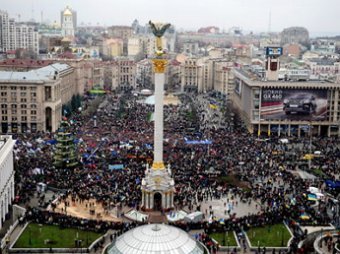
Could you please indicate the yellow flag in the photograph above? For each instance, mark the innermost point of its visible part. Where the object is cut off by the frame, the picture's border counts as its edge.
(212, 106)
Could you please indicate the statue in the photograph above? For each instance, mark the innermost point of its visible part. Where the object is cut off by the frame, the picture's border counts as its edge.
(158, 30)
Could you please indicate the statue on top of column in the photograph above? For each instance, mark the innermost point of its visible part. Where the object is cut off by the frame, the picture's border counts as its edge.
(158, 30)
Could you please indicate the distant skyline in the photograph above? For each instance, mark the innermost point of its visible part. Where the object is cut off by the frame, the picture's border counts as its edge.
(319, 17)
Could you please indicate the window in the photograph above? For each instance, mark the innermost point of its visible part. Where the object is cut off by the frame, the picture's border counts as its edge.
(23, 88)
(24, 118)
(13, 88)
(33, 112)
(23, 106)
(14, 106)
(4, 112)
(14, 119)
(3, 105)
(23, 112)
(23, 100)
(33, 118)
(33, 105)
(3, 94)
(34, 94)
(23, 94)
(4, 118)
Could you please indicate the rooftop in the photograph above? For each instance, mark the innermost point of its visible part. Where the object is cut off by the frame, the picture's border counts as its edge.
(41, 74)
(253, 79)
(155, 238)
(26, 63)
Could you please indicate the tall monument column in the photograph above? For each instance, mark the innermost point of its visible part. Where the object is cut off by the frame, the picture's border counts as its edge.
(158, 182)
(159, 68)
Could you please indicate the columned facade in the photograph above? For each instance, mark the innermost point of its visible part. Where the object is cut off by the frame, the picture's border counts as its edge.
(6, 176)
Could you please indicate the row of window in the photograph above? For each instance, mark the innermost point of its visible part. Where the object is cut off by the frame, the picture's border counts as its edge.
(22, 94)
(14, 111)
(22, 88)
(4, 106)
(15, 100)
(14, 118)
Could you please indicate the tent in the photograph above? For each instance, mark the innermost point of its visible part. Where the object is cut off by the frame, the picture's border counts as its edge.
(97, 92)
(312, 197)
(333, 184)
(194, 217)
(313, 189)
(304, 216)
(116, 167)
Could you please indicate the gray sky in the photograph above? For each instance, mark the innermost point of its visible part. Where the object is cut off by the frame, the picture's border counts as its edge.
(318, 16)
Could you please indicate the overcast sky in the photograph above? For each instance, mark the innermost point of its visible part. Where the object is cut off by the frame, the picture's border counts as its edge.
(318, 16)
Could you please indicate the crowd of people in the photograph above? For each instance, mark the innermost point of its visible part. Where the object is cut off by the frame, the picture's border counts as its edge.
(120, 133)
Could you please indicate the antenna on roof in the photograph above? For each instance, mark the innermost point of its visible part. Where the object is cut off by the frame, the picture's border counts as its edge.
(269, 21)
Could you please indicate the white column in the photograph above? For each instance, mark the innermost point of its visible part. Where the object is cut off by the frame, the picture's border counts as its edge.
(158, 123)
(143, 198)
(148, 205)
(151, 200)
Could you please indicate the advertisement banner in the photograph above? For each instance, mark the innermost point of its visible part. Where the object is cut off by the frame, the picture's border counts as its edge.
(294, 104)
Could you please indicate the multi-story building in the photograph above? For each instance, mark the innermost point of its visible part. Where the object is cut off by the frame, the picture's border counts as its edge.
(26, 37)
(32, 100)
(6, 176)
(295, 35)
(144, 71)
(323, 68)
(68, 21)
(191, 75)
(123, 74)
(190, 48)
(134, 46)
(173, 76)
(279, 107)
(123, 32)
(7, 32)
(324, 46)
(17, 35)
(223, 80)
(112, 48)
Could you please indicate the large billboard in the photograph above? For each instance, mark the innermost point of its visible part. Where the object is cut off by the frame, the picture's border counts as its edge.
(274, 51)
(294, 104)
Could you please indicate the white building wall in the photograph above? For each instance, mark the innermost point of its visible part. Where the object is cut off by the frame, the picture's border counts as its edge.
(6, 176)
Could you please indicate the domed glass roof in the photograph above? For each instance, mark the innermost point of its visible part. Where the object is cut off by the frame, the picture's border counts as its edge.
(155, 238)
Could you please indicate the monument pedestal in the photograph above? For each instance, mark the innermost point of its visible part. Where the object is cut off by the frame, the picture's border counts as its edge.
(157, 190)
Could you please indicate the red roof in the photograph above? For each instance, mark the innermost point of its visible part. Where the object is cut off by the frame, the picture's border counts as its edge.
(25, 63)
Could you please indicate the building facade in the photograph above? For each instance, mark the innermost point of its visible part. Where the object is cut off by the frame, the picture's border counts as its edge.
(6, 176)
(295, 35)
(112, 48)
(32, 101)
(17, 35)
(123, 74)
(290, 108)
(191, 75)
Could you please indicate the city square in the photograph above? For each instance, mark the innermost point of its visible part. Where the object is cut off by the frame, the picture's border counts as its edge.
(150, 143)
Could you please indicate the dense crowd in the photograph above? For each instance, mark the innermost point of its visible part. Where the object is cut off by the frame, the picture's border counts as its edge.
(120, 133)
